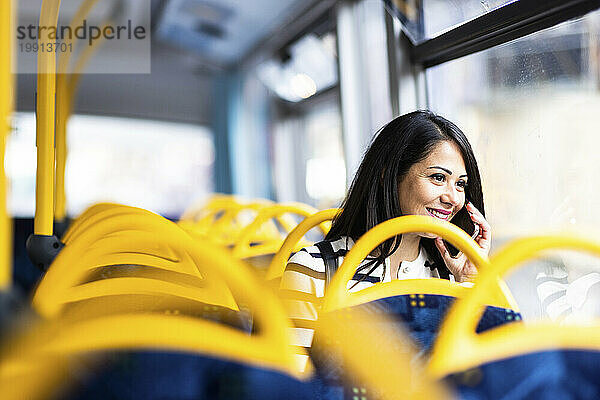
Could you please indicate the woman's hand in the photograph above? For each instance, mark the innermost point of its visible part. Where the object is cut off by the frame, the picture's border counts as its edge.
(460, 266)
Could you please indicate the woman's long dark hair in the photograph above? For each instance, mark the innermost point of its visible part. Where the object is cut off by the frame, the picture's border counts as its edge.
(373, 195)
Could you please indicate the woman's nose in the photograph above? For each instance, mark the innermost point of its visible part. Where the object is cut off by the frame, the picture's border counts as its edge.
(451, 196)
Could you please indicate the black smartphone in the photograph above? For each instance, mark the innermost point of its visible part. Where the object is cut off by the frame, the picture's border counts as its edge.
(475, 226)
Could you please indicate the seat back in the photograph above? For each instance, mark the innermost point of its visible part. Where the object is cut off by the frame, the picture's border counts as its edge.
(292, 241)
(250, 243)
(53, 341)
(458, 331)
(337, 296)
(63, 281)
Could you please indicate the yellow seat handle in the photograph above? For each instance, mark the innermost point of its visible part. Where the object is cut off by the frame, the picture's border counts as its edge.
(65, 94)
(269, 348)
(242, 248)
(227, 225)
(192, 212)
(64, 272)
(91, 212)
(459, 347)
(337, 295)
(279, 261)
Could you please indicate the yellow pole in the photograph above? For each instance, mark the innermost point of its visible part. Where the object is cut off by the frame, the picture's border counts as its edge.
(67, 95)
(6, 104)
(45, 124)
(63, 111)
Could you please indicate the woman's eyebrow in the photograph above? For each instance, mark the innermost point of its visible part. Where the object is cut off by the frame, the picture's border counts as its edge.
(446, 170)
(442, 168)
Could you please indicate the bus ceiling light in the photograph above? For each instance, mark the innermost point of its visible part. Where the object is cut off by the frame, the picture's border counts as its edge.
(303, 85)
(301, 70)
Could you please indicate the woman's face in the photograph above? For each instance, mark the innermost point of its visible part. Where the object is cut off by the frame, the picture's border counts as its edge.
(436, 185)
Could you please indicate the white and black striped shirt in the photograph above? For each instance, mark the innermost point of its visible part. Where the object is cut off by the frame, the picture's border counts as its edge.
(303, 284)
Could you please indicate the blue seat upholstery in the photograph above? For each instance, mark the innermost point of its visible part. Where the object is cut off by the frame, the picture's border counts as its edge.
(420, 316)
(553, 374)
(153, 375)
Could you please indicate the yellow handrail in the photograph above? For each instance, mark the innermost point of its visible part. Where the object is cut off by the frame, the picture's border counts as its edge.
(139, 285)
(137, 248)
(226, 228)
(242, 247)
(98, 213)
(268, 348)
(88, 212)
(196, 211)
(458, 347)
(278, 262)
(46, 96)
(337, 295)
(6, 104)
(66, 86)
(64, 272)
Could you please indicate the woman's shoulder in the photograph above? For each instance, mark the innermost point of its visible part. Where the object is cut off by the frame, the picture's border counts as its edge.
(312, 256)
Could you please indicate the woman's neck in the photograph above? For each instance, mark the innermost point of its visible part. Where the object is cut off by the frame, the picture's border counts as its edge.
(408, 250)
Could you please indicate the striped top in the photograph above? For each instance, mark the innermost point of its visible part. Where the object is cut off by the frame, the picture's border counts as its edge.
(303, 284)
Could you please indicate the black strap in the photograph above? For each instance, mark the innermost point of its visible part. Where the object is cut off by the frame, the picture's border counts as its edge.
(443, 271)
(329, 259)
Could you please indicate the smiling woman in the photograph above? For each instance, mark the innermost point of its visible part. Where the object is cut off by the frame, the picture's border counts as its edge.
(418, 164)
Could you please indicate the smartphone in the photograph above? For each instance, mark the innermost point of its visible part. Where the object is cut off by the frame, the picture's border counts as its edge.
(475, 232)
(475, 226)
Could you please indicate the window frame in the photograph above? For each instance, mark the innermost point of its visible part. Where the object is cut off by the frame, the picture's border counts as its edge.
(498, 26)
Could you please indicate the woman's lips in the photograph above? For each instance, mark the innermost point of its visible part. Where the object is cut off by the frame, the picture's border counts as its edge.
(440, 214)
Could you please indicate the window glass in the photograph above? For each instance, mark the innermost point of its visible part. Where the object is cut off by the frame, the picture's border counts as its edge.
(325, 167)
(163, 167)
(442, 15)
(308, 160)
(529, 108)
(426, 19)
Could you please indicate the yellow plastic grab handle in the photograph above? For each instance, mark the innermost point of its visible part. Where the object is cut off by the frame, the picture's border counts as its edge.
(242, 247)
(64, 106)
(71, 267)
(216, 201)
(226, 228)
(93, 209)
(137, 248)
(279, 261)
(269, 347)
(458, 347)
(98, 213)
(337, 295)
(133, 285)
